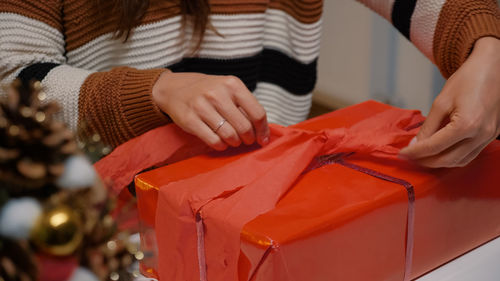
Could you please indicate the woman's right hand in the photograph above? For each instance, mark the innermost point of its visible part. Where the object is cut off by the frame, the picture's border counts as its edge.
(198, 103)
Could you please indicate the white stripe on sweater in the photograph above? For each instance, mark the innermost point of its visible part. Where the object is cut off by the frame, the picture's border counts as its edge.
(156, 45)
(159, 44)
(62, 84)
(26, 41)
(423, 25)
(287, 35)
(151, 46)
(281, 106)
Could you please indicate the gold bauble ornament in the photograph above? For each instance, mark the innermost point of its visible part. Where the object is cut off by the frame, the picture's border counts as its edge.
(58, 231)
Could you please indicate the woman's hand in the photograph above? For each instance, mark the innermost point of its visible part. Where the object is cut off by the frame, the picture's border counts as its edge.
(218, 109)
(465, 117)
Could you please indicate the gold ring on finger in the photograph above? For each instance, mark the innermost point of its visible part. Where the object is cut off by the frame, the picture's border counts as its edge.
(219, 125)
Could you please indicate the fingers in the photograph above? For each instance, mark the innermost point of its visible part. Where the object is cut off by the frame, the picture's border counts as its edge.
(198, 103)
(255, 114)
(435, 144)
(438, 113)
(471, 99)
(195, 126)
(467, 159)
(458, 155)
(208, 114)
(237, 120)
(260, 125)
(451, 146)
(239, 107)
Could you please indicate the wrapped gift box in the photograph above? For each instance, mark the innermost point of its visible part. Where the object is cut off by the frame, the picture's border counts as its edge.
(344, 216)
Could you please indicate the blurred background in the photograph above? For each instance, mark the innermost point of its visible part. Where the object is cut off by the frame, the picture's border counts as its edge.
(363, 57)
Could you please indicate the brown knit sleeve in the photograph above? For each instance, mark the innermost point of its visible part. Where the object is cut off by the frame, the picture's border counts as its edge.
(460, 24)
(118, 105)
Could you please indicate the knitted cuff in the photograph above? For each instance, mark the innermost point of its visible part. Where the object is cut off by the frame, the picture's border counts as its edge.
(118, 104)
(460, 24)
(141, 113)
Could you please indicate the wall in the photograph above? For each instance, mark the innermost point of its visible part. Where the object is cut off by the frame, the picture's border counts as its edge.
(363, 57)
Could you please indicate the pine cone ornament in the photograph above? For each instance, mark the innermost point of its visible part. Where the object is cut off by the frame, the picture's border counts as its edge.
(16, 261)
(55, 213)
(33, 145)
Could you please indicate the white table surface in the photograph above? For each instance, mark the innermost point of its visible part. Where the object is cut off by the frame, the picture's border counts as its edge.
(481, 264)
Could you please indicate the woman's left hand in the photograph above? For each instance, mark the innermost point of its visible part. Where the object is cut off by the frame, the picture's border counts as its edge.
(465, 117)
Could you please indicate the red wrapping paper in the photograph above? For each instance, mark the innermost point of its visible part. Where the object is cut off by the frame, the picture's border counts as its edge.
(334, 224)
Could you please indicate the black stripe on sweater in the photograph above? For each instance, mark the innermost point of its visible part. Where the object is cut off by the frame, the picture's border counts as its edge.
(401, 15)
(267, 66)
(35, 72)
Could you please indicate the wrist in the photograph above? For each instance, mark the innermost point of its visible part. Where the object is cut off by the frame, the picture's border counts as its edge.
(157, 90)
(487, 45)
(486, 53)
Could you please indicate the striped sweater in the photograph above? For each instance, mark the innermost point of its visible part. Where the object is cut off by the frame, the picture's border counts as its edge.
(104, 85)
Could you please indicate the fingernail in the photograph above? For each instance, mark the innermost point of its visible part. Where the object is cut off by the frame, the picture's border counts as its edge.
(413, 141)
(265, 140)
(220, 146)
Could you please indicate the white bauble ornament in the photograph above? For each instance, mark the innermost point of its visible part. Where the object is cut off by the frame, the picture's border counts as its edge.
(78, 173)
(83, 274)
(18, 216)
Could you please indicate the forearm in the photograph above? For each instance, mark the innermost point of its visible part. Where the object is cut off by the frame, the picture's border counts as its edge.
(116, 104)
(443, 30)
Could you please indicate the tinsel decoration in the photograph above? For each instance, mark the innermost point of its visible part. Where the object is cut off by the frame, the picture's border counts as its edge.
(41, 166)
(92, 146)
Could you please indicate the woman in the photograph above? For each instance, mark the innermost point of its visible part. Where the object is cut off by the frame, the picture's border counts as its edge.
(122, 67)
